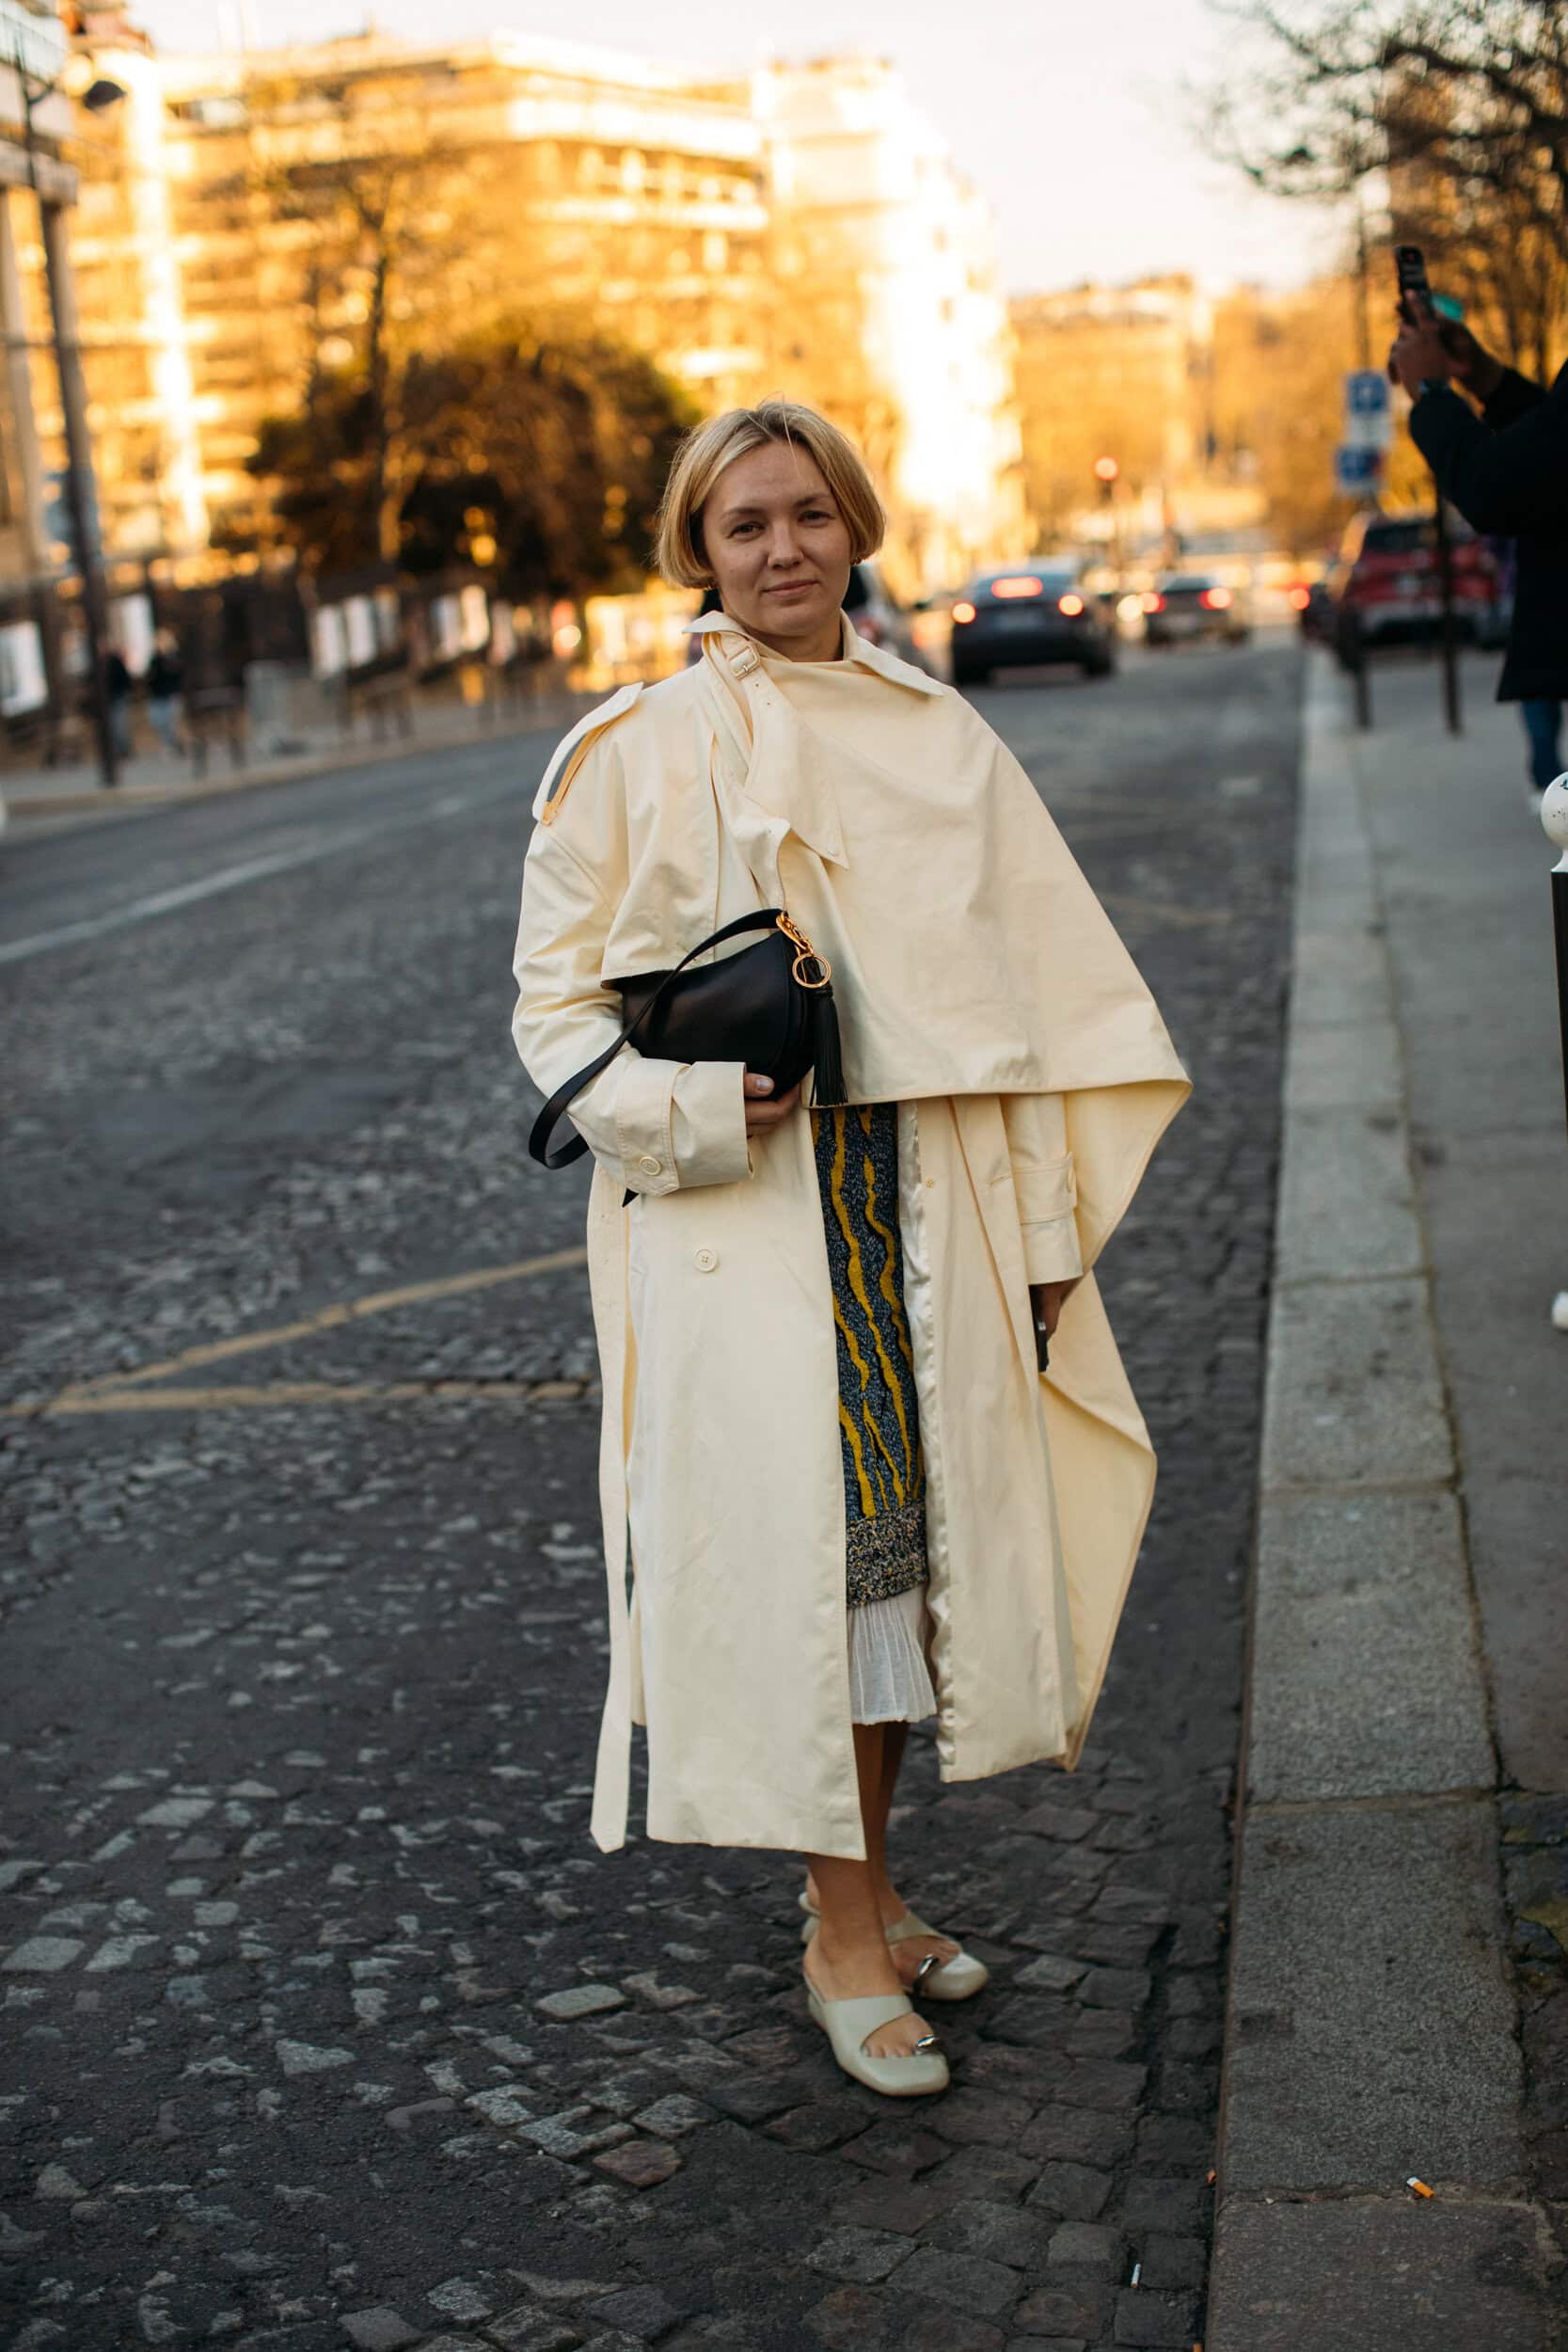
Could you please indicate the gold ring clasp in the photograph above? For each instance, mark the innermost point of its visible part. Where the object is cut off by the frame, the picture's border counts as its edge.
(806, 958)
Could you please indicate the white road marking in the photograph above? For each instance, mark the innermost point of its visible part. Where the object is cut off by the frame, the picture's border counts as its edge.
(252, 869)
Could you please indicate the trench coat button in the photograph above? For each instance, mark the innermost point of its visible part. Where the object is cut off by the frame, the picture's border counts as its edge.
(704, 1260)
(649, 1165)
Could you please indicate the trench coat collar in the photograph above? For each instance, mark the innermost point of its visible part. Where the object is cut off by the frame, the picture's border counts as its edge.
(855, 649)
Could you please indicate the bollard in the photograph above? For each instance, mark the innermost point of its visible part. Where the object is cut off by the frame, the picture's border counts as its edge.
(1554, 821)
(1350, 647)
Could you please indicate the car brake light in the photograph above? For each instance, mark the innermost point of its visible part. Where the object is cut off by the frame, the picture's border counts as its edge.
(1300, 599)
(1217, 600)
(1153, 602)
(1024, 586)
(962, 612)
(1071, 605)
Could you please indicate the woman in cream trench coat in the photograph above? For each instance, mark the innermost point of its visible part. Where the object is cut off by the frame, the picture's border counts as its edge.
(981, 989)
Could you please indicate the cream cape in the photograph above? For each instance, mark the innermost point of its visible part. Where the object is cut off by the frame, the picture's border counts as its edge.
(982, 986)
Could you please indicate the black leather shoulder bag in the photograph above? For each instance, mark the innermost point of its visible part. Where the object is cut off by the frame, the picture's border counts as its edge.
(771, 1007)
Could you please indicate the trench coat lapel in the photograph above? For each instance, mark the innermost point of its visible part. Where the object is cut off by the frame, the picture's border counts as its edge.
(779, 767)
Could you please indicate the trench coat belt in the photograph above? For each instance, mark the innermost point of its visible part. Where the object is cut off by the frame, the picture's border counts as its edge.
(612, 1776)
(613, 1771)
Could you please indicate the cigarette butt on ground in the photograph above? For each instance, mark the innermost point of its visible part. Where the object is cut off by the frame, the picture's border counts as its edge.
(1418, 2188)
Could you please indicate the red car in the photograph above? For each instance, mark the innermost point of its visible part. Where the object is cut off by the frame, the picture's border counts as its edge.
(1387, 579)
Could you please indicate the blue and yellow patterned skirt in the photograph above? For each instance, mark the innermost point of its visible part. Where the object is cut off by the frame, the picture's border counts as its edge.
(878, 1415)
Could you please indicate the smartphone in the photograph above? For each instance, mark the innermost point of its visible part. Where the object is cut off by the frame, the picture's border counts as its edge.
(1415, 300)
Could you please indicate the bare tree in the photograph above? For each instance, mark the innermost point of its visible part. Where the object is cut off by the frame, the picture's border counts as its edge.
(381, 208)
(1461, 105)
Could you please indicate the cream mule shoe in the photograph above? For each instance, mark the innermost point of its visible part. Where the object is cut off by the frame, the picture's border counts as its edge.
(956, 1979)
(850, 2025)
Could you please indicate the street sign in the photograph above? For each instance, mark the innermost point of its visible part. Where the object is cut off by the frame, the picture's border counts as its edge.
(1358, 471)
(1368, 412)
(58, 525)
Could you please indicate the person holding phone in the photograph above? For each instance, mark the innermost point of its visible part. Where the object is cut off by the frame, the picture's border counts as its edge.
(1505, 471)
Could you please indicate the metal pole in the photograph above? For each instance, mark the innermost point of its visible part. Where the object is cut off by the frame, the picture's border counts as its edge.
(1351, 649)
(1554, 820)
(1446, 640)
(78, 443)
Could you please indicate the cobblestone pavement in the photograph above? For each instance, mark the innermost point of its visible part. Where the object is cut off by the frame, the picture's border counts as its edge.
(325, 2025)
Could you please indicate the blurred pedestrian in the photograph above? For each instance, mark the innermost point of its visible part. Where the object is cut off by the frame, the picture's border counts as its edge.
(1506, 471)
(118, 688)
(852, 1500)
(165, 679)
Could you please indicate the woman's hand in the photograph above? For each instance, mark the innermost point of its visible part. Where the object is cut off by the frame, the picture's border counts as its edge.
(1048, 1299)
(762, 1112)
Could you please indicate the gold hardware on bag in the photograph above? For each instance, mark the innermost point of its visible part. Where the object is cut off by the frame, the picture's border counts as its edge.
(806, 955)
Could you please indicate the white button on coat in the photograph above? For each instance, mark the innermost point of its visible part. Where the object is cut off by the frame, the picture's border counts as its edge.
(649, 1165)
(704, 1260)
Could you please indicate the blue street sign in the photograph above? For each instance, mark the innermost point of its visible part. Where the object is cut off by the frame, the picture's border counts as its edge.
(1358, 470)
(57, 518)
(1369, 413)
(1365, 392)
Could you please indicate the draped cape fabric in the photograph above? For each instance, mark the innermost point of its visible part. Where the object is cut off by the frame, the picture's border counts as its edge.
(982, 987)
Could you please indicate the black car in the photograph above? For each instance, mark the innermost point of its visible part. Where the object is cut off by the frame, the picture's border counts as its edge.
(1186, 604)
(1027, 614)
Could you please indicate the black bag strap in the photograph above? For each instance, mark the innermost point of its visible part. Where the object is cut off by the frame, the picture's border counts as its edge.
(765, 919)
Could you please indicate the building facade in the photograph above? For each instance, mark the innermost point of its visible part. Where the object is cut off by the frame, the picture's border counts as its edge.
(890, 315)
(255, 214)
(38, 192)
(436, 188)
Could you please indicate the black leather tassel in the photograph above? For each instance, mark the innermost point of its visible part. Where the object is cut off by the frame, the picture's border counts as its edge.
(827, 1077)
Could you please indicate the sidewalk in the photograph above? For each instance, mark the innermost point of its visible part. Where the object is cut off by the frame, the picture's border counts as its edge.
(154, 779)
(1398, 1989)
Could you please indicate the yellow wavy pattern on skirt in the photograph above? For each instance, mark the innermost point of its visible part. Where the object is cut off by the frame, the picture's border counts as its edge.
(882, 1448)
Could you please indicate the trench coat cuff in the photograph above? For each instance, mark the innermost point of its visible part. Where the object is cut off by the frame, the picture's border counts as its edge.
(1051, 1249)
(708, 1123)
(681, 1123)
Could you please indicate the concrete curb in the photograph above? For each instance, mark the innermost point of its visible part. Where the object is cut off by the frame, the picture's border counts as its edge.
(557, 711)
(1372, 2028)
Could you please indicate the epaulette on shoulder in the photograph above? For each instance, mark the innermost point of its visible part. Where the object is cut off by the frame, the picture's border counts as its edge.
(573, 749)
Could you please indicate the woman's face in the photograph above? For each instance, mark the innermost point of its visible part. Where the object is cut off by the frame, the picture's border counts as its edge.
(779, 550)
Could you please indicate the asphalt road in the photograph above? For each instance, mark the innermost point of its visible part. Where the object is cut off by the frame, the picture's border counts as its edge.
(302, 1662)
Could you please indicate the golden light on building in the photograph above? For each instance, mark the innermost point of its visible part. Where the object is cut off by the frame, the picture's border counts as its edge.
(803, 229)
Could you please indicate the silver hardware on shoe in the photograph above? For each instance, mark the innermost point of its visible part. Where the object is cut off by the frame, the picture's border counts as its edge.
(926, 2041)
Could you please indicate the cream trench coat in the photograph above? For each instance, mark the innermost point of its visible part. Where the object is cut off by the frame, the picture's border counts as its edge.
(982, 988)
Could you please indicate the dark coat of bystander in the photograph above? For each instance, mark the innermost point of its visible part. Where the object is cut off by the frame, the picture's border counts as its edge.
(1507, 473)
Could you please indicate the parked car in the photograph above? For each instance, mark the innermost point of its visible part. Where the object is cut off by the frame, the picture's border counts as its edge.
(1386, 584)
(1190, 604)
(880, 618)
(1030, 613)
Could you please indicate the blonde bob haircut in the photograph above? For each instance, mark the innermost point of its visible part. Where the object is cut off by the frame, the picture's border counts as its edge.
(709, 448)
